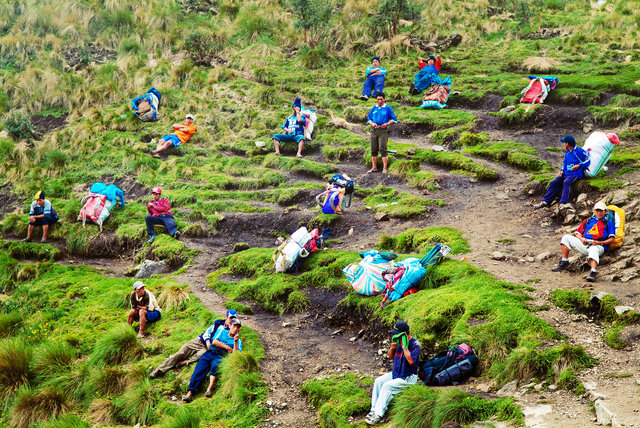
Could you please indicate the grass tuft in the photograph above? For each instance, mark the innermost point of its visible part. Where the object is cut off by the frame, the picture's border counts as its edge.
(10, 323)
(15, 359)
(52, 358)
(174, 297)
(32, 406)
(119, 345)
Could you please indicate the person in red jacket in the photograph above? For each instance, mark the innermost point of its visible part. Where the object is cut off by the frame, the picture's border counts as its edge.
(160, 213)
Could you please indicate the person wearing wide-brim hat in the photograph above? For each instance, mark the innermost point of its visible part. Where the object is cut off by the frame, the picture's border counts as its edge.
(42, 214)
(375, 79)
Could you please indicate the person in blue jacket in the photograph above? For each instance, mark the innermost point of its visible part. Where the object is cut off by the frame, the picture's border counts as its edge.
(375, 79)
(380, 117)
(293, 129)
(145, 107)
(576, 160)
(42, 214)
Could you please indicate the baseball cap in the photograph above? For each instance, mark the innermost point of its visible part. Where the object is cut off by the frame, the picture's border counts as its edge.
(39, 195)
(600, 206)
(400, 327)
(569, 140)
(157, 190)
(236, 321)
(138, 285)
(232, 313)
(189, 116)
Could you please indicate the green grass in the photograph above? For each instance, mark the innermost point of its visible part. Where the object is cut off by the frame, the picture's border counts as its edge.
(518, 155)
(455, 161)
(421, 240)
(399, 204)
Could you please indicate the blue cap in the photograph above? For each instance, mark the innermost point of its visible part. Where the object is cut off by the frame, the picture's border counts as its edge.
(375, 58)
(297, 103)
(569, 140)
(400, 327)
(432, 57)
(232, 313)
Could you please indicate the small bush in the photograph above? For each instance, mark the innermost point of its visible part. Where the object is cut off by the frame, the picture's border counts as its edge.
(119, 345)
(101, 411)
(52, 358)
(27, 273)
(32, 406)
(10, 323)
(19, 126)
(66, 421)
(174, 297)
(15, 358)
(185, 418)
(55, 159)
(109, 381)
(137, 405)
(240, 379)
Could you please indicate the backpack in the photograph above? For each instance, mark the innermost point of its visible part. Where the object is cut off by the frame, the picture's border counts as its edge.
(448, 367)
(155, 92)
(616, 216)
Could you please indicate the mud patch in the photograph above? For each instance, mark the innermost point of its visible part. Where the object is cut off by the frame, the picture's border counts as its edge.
(43, 124)
(8, 201)
(261, 229)
(78, 57)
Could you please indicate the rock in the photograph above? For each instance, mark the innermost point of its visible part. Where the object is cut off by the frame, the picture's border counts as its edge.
(279, 240)
(437, 148)
(4, 134)
(508, 390)
(483, 387)
(584, 213)
(597, 296)
(553, 387)
(628, 275)
(543, 256)
(150, 267)
(240, 246)
(539, 386)
(536, 416)
(411, 151)
(497, 255)
(508, 109)
(353, 339)
(570, 218)
(381, 216)
(582, 199)
(339, 331)
(622, 309)
(603, 414)
(618, 198)
(260, 144)
(593, 396)
(318, 368)
(502, 196)
(286, 324)
(529, 259)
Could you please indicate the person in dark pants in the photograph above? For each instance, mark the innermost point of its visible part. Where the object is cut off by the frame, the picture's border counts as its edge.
(225, 342)
(576, 160)
(160, 213)
(42, 214)
(380, 117)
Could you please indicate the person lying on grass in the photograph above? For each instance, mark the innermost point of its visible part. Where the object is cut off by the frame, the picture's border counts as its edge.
(427, 76)
(293, 129)
(159, 211)
(191, 351)
(183, 133)
(225, 342)
(144, 307)
(404, 351)
(42, 214)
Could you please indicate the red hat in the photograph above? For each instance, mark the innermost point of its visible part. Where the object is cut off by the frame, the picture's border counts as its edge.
(156, 190)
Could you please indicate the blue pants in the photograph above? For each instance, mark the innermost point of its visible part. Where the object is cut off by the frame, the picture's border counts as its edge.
(165, 219)
(560, 184)
(288, 138)
(207, 363)
(423, 80)
(373, 83)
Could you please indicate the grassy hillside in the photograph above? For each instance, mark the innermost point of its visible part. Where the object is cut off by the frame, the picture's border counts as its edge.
(68, 70)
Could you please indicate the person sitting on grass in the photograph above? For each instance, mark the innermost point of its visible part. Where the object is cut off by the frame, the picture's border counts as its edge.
(225, 342)
(160, 213)
(404, 351)
(42, 214)
(375, 79)
(592, 239)
(144, 307)
(293, 129)
(428, 74)
(191, 351)
(183, 132)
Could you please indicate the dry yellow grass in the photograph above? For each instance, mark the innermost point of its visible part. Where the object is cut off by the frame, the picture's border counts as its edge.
(539, 63)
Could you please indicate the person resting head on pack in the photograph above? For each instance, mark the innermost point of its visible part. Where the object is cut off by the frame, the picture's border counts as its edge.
(592, 239)
(293, 129)
(159, 211)
(182, 134)
(333, 201)
(405, 352)
(225, 342)
(375, 79)
(429, 69)
(191, 351)
(144, 307)
(42, 214)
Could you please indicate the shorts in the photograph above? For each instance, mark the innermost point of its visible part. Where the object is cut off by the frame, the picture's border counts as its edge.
(379, 137)
(172, 138)
(44, 221)
(591, 251)
(152, 316)
(288, 138)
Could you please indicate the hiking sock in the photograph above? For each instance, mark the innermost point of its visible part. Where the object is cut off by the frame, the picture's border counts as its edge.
(565, 260)
(594, 271)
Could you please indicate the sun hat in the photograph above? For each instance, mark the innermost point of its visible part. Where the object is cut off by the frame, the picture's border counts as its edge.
(600, 206)
(189, 116)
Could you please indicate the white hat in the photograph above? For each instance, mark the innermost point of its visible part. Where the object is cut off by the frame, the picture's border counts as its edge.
(138, 285)
(600, 206)
(189, 116)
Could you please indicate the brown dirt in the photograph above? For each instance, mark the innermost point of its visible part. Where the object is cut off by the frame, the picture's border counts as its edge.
(44, 124)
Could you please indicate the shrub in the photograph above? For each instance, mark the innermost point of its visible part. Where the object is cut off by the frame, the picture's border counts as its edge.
(55, 159)
(314, 58)
(109, 381)
(66, 421)
(119, 345)
(10, 323)
(15, 358)
(202, 47)
(185, 418)
(31, 406)
(240, 379)
(19, 126)
(52, 358)
(27, 273)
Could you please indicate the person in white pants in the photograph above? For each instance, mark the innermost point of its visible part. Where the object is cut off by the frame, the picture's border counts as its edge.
(405, 352)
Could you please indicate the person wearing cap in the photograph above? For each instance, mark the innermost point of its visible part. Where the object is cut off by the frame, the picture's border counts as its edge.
(576, 160)
(182, 134)
(42, 214)
(593, 237)
(375, 79)
(405, 352)
(144, 307)
(427, 76)
(191, 351)
(224, 342)
(380, 117)
(159, 212)
(293, 129)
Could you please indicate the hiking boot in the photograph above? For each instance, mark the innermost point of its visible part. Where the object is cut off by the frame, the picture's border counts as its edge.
(592, 276)
(373, 420)
(364, 97)
(177, 234)
(209, 393)
(413, 90)
(562, 265)
(187, 398)
(151, 239)
(542, 204)
(154, 374)
(140, 335)
(26, 240)
(43, 241)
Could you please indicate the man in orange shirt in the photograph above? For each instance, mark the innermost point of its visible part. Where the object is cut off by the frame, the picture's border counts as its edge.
(183, 132)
